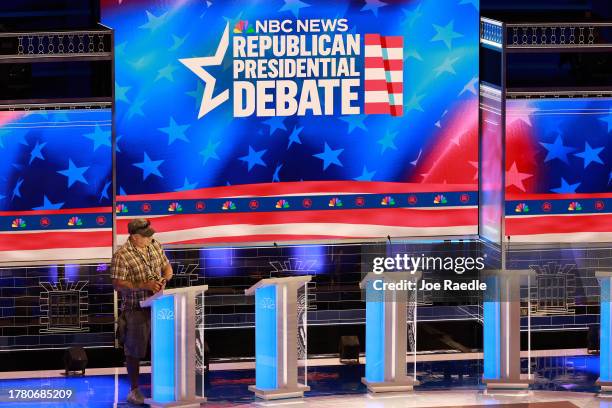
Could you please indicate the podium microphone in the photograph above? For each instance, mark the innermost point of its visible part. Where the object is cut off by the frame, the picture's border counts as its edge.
(389, 238)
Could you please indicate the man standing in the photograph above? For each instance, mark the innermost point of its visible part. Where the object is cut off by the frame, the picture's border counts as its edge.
(139, 269)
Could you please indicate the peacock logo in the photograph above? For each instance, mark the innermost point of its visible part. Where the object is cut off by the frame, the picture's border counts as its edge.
(228, 205)
(574, 206)
(440, 199)
(521, 208)
(387, 201)
(175, 207)
(335, 202)
(242, 27)
(18, 223)
(75, 221)
(282, 203)
(121, 209)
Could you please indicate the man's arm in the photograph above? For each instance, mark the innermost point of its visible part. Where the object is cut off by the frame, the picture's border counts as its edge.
(121, 285)
(167, 271)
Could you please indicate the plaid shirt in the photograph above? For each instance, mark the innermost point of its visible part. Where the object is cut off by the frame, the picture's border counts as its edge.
(132, 265)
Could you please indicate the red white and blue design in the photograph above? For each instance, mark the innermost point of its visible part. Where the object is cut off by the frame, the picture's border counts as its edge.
(558, 162)
(229, 108)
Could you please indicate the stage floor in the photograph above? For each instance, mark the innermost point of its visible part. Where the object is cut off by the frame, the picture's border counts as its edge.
(448, 380)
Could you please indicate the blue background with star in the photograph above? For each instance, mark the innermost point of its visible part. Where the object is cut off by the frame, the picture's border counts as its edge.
(165, 148)
(52, 160)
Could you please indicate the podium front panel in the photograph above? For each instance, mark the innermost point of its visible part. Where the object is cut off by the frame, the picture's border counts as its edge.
(375, 335)
(266, 338)
(162, 349)
(492, 330)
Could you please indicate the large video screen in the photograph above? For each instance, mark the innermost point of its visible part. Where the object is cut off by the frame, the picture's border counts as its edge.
(264, 120)
(55, 185)
(558, 170)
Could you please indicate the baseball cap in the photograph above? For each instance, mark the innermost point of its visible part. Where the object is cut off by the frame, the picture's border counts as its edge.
(141, 226)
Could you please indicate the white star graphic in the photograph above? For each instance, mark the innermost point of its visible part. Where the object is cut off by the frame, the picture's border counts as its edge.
(195, 65)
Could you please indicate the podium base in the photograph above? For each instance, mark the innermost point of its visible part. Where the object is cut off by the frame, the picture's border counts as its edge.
(193, 403)
(279, 393)
(605, 388)
(404, 384)
(507, 387)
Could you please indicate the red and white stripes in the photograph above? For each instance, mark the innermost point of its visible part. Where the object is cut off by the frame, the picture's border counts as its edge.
(384, 69)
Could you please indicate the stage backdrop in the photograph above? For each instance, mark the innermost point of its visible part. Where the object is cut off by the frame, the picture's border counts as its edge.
(285, 119)
(558, 170)
(55, 185)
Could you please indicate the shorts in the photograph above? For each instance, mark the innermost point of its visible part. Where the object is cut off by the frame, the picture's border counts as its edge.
(137, 333)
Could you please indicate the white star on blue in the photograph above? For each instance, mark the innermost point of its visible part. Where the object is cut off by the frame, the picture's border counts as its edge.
(354, 121)
(99, 137)
(590, 155)
(329, 156)
(48, 205)
(121, 93)
(187, 186)
(36, 152)
(149, 167)
(17, 189)
(365, 175)
(275, 123)
(557, 150)
(472, 2)
(275, 176)
(175, 131)
(608, 120)
(154, 22)
(74, 173)
(373, 6)
(254, 158)
(294, 137)
(565, 187)
(294, 6)
(446, 34)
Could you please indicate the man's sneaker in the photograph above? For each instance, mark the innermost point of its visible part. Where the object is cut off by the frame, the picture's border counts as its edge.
(135, 397)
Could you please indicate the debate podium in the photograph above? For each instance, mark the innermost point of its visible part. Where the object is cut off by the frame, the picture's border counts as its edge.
(386, 333)
(173, 347)
(280, 336)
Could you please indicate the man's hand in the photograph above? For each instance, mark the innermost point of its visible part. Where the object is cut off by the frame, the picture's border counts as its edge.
(154, 286)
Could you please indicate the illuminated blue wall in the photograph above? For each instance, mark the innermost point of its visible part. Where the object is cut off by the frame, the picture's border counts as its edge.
(162, 350)
(375, 336)
(265, 338)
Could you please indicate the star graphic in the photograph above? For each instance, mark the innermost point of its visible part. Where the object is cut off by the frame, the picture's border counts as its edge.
(410, 53)
(120, 49)
(175, 131)
(373, 6)
(104, 192)
(74, 173)
(365, 175)
(329, 156)
(136, 108)
(354, 121)
(565, 187)
(520, 111)
(210, 151)
(294, 6)
(472, 2)
(48, 205)
(17, 189)
(99, 137)
(36, 152)
(388, 141)
(166, 72)
(475, 165)
(121, 93)
(154, 22)
(514, 178)
(446, 34)
(275, 176)
(195, 65)
(275, 123)
(18, 136)
(610, 177)
(446, 66)
(122, 191)
(149, 167)
(414, 103)
(187, 186)
(254, 158)
(412, 16)
(608, 120)
(470, 87)
(197, 94)
(416, 161)
(143, 62)
(294, 137)
(177, 42)
(590, 155)
(557, 150)
(2, 196)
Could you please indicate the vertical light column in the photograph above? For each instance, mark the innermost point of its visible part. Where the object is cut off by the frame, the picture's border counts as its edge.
(605, 329)
(162, 349)
(265, 338)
